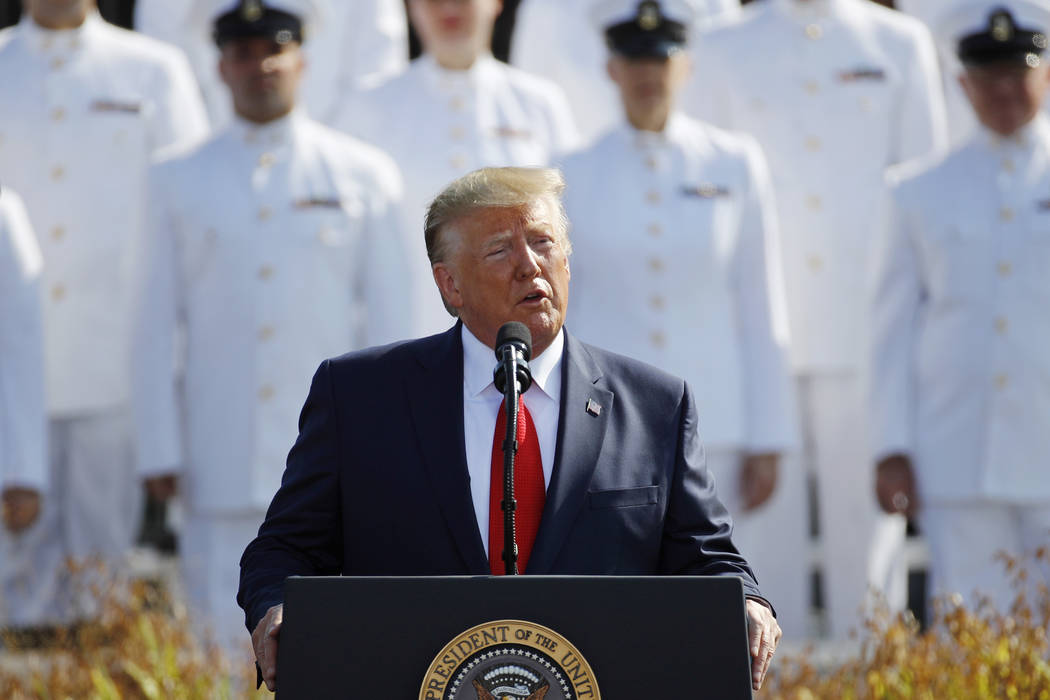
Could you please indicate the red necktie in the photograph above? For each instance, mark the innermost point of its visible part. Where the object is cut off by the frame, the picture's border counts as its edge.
(528, 489)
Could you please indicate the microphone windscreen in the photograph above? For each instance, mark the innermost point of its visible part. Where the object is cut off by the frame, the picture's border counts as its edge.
(514, 332)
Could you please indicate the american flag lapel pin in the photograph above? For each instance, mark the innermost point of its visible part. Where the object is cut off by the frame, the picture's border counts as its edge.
(593, 407)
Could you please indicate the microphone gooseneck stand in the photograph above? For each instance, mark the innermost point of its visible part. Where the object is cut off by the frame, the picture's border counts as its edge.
(513, 349)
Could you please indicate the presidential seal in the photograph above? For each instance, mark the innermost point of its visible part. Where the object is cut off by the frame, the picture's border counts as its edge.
(509, 660)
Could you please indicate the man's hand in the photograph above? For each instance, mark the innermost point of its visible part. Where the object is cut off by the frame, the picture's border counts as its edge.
(895, 485)
(264, 641)
(758, 479)
(162, 488)
(21, 507)
(763, 636)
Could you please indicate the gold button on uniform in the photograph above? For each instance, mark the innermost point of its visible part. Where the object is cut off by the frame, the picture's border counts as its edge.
(456, 104)
(1008, 165)
(1001, 324)
(1004, 268)
(1001, 380)
(815, 263)
(58, 114)
(57, 173)
(457, 133)
(812, 87)
(266, 392)
(814, 31)
(654, 229)
(265, 272)
(457, 162)
(58, 233)
(653, 197)
(265, 333)
(58, 292)
(265, 213)
(658, 339)
(657, 302)
(814, 203)
(652, 163)
(57, 62)
(656, 264)
(1006, 214)
(266, 160)
(813, 144)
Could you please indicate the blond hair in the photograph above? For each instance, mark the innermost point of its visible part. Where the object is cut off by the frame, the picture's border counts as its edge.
(494, 188)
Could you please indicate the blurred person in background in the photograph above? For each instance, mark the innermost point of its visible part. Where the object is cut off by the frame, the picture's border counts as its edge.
(556, 39)
(23, 420)
(961, 343)
(348, 41)
(456, 109)
(675, 220)
(294, 257)
(835, 91)
(85, 107)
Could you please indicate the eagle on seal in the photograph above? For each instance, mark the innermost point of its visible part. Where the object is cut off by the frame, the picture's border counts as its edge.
(484, 694)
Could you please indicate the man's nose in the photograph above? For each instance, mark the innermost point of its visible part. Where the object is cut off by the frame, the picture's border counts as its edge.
(526, 261)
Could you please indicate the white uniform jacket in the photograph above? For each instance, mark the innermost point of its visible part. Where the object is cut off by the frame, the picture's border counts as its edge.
(853, 89)
(295, 258)
(672, 264)
(558, 40)
(346, 41)
(961, 334)
(23, 422)
(83, 110)
(440, 124)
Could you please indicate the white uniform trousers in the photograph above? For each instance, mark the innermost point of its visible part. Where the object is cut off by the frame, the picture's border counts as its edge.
(93, 509)
(862, 548)
(965, 538)
(773, 537)
(210, 549)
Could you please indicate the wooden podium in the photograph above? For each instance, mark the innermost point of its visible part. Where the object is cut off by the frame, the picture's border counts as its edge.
(527, 637)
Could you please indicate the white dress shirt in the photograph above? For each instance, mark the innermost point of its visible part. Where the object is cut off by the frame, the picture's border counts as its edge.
(481, 404)
(23, 423)
(679, 228)
(292, 260)
(440, 124)
(84, 110)
(854, 89)
(961, 333)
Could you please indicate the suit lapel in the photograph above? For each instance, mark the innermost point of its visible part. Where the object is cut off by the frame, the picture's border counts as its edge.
(435, 391)
(580, 435)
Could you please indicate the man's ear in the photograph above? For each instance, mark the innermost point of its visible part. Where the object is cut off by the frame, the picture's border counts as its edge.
(445, 279)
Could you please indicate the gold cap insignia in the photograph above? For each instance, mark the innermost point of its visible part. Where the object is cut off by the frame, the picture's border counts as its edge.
(251, 10)
(1002, 28)
(648, 15)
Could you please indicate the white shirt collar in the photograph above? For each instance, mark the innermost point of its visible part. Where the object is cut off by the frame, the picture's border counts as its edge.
(479, 361)
(278, 132)
(43, 39)
(1034, 134)
(807, 10)
(652, 140)
(448, 79)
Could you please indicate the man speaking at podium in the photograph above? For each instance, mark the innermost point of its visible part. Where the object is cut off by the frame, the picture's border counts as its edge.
(398, 445)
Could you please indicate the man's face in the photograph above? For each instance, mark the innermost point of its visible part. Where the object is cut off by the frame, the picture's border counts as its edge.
(648, 86)
(1004, 96)
(263, 76)
(507, 264)
(454, 26)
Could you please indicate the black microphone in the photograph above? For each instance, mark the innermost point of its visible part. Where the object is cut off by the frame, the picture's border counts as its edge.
(513, 350)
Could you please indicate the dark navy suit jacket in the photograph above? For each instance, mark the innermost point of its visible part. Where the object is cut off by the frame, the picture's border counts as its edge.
(377, 481)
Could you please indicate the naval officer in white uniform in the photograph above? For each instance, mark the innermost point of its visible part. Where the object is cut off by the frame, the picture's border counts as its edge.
(555, 39)
(961, 337)
(23, 420)
(674, 220)
(454, 110)
(348, 41)
(834, 91)
(294, 257)
(85, 106)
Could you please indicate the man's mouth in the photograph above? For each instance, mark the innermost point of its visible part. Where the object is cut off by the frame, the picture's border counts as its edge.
(534, 297)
